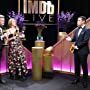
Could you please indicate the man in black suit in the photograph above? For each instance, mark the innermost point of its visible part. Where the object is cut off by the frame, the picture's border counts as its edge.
(81, 50)
(2, 20)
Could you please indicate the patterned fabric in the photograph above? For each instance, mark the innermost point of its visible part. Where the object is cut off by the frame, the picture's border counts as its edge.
(17, 62)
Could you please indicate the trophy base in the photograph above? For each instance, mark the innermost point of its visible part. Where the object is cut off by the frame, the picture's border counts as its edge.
(39, 43)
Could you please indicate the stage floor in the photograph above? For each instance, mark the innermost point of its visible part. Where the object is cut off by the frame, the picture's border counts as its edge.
(58, 82)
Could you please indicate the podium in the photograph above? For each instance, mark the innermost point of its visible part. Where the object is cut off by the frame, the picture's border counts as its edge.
(37, 56)
(48, 60)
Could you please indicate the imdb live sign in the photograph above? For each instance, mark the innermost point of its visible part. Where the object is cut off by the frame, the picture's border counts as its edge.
(40, 10)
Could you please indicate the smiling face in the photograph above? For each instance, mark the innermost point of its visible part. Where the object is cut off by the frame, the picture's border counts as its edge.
(12, 22)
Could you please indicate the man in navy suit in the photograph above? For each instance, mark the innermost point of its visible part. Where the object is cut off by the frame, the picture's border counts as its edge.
(81, 50)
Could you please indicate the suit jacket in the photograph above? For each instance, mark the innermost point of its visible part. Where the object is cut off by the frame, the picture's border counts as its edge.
(82, 41)
(1, 41)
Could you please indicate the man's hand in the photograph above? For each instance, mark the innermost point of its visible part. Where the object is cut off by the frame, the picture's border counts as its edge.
(69, 38)
(73, 47)
(76, 47)
(4, 35)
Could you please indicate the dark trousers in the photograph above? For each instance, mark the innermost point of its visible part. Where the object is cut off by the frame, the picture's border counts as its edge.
(81, 60)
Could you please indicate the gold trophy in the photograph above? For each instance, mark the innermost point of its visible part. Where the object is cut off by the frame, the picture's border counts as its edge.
(5, 39)
(23, 33)
(22, 36)
(72, 48)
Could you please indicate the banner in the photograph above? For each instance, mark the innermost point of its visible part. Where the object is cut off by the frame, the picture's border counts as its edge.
(39, 10)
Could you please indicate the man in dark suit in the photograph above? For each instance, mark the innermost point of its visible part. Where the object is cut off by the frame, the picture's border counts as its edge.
(81, 50)
(2, 20)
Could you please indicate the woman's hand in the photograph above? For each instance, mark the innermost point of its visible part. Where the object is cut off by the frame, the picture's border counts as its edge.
(22, 35)
(14, 37)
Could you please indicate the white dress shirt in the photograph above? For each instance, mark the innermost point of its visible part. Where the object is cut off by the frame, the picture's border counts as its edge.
(1, 33)
(80, 30)
(0, 30)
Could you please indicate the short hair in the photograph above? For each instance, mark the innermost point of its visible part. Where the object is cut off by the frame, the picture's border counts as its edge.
(83, 18)
(2, 16)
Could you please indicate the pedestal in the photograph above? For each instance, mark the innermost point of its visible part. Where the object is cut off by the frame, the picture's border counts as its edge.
(48, 62)
(48, 69)
(37, 56)
(39, 43)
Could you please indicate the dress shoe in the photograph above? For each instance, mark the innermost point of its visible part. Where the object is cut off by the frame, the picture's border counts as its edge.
(2, 81)
(85, 84)
(13, 77)
(23, 78)
(76, 81)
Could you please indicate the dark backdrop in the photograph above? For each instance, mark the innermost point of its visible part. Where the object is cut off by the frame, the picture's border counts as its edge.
(49, 34)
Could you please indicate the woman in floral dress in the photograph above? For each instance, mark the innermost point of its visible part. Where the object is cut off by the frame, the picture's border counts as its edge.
(16, 60)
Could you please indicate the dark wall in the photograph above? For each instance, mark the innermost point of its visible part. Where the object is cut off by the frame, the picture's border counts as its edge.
(49, 34)
(81, 7)
(7, 5)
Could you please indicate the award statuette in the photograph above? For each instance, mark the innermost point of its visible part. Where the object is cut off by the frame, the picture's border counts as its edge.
(5, 39)
(22, 36)
(22, 33)
(72, 48)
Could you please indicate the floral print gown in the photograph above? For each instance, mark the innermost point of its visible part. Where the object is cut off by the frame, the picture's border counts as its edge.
(16, 61)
